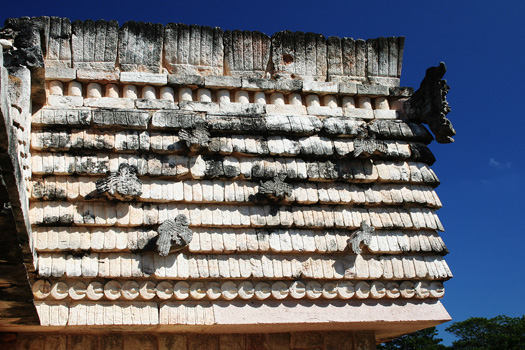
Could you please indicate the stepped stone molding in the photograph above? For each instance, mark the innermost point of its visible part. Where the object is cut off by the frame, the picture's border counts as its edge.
(116, 239)
(291, 124)
(135, 214)
(167, 143)
(237, 191)
(229, 290)
(270, 265)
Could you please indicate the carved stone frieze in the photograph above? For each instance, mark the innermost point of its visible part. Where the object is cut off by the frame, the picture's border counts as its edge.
(132, 290)
(429, 104)
(174, 235)
(362, 236)
(276, 188)
(122, 185)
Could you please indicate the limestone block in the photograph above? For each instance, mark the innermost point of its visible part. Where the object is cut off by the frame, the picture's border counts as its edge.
(109, 102)
(144, 78)
(110, 75)
(217, 82)
(254, 84)
(65, 101)
(155, 104)
(209, 107)
(286, 109)
(238, 109)
(385, 114)
(348, 88)
(299, 54)
(372, 90)
(60, 73)
(384, 81)
(58, 53)
(319, 87)
(436, 290)
(183, 80)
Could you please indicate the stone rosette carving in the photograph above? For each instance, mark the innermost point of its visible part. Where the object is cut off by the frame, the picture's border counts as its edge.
(362, 236)
(123, 185)
(429, 104)
(276, 188)
(174, 235)
(196, 138)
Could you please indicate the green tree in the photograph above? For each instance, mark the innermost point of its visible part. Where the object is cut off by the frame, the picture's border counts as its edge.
(425, 339)
(500, 332)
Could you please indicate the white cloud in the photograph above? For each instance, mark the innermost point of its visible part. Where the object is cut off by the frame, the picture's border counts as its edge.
(499, 165)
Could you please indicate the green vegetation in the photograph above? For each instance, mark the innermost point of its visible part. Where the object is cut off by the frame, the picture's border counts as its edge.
(475, 333)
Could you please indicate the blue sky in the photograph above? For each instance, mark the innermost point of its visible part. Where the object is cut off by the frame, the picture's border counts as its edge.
(482, 43)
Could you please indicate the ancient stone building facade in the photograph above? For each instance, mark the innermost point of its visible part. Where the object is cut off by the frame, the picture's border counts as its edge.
(185, 187)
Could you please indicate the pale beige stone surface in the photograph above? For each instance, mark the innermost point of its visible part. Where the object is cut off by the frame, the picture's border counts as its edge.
(250, 257)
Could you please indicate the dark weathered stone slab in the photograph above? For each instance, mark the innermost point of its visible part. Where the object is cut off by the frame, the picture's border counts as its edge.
(140, 47)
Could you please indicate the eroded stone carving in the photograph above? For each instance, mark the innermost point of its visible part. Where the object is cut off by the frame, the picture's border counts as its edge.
(122, 185)
(363, 234)
(174, 235)
(196, 138)
(369, 146)
(429, 104)
(276, 188)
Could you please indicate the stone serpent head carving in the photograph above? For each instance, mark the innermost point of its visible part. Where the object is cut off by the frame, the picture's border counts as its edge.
(429, 104)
